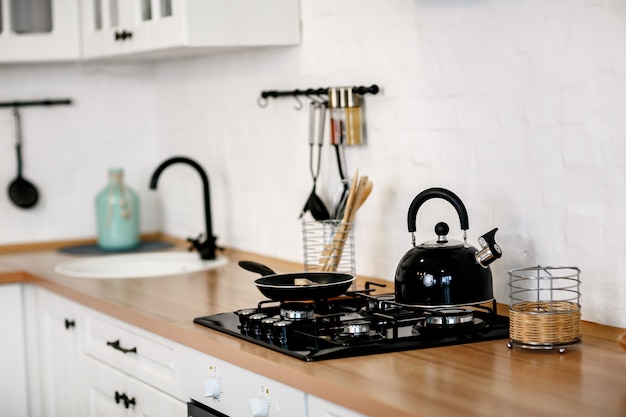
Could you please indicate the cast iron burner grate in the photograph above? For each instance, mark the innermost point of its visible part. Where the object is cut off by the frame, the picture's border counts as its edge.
(358, 324)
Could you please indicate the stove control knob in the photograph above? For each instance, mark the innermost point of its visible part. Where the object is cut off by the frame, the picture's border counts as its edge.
(260, 407)
(212, 388)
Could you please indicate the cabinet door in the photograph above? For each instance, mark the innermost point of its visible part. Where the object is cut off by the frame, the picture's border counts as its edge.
(39, 30)
(112, 393)
(12, 358)
(105, 28)
(58, 327)
(157, 24)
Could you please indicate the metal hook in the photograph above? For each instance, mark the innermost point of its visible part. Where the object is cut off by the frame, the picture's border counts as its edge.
(262, 102)
(299, 105)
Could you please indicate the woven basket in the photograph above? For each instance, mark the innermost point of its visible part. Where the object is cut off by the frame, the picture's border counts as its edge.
(545, 322)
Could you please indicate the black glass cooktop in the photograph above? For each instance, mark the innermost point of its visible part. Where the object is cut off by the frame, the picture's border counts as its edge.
(358, 324)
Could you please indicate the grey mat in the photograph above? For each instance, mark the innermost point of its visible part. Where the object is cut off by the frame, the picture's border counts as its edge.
(94, 249)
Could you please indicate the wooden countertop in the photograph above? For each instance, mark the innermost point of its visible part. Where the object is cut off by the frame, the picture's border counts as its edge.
(482, 379)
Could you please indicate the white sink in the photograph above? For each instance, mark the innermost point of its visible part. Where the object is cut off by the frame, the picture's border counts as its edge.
(140, 265)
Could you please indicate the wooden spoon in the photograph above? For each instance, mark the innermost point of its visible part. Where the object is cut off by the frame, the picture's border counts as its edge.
(622, 341)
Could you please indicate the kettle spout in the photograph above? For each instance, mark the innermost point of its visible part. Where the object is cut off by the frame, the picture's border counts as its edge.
(490, 251)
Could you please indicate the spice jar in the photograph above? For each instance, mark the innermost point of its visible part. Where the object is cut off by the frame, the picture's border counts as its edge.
(346, 122)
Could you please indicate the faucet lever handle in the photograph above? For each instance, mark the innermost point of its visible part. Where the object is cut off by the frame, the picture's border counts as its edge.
(206, 248)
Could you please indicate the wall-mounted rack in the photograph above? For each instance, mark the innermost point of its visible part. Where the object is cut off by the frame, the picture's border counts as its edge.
(42, 102)
(311, 92)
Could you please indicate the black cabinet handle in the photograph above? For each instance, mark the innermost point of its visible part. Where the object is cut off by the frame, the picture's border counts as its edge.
(69, 323)
(123, 397)
(116, 345)
(123, 35)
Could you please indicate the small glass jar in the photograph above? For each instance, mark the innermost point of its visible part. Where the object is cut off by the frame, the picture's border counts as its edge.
(117, 210)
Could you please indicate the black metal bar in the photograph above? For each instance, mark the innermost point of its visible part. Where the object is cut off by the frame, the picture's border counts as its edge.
(43, 102)
(372, 89)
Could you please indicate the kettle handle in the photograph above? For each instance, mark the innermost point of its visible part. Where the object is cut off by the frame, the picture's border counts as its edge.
(436, 192)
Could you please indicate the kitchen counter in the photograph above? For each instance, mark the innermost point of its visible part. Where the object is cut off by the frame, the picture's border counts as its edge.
(485, 379)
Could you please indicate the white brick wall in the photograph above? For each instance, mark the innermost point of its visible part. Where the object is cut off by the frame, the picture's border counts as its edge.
(517, 106)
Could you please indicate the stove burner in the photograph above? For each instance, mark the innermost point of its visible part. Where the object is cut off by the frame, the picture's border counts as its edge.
(297, 311)
(357, 328)
(449, 317)
(358, 323)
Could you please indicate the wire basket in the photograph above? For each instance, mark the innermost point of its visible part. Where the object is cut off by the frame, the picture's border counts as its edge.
(328, 246)
(544, 311)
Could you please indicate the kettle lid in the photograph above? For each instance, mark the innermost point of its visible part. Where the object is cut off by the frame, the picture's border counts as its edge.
(442, 241)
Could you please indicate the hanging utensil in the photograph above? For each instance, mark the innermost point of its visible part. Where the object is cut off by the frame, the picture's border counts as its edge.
(314, 203)
(21, 192)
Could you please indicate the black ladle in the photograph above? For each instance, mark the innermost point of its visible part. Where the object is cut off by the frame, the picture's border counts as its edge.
(314, 203)
(21, 191)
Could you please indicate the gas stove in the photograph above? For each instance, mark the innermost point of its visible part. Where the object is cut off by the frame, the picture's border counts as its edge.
(358, 324)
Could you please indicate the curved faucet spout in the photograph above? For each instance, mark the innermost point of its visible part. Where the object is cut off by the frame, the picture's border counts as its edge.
(207, 247)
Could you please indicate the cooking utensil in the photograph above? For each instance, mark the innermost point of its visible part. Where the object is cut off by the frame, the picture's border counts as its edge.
(622, 341)
(442, 271)
(360, 189)
(288, 287)
(314, 203)
(21, 191)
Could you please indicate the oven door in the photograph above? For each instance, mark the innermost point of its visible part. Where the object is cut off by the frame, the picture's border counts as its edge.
(196, 409)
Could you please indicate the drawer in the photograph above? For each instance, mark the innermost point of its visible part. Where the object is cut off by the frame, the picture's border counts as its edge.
(110, 392)
(235, 391)
(147, 357)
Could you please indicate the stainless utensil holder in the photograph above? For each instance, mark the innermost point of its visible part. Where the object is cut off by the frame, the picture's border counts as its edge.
(544, 309)
(328, 246)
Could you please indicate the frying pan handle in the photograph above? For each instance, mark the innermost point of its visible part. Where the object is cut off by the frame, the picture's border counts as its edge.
(256, 267)
(447, 195)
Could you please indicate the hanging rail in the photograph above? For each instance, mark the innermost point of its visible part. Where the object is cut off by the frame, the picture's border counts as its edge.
(262, 101)
(43, 102)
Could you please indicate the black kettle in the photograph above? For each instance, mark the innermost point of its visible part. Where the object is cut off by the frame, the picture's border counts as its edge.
(445, 272)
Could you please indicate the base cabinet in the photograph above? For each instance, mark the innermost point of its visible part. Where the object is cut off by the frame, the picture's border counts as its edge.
(322, 408)
(76, 362)
(13, 388)
(58, 326)
(111, 393)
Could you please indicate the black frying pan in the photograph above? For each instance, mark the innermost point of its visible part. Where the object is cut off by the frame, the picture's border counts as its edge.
(284, 287)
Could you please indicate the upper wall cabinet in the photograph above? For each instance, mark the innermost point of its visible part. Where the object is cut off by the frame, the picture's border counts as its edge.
(39, 30)
(156, 28)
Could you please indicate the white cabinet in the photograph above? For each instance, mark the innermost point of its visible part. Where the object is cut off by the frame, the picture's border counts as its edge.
(170, 27)
(322, 408)
(234, 391)
(129, 372)
(112, 393)
(39, 30)
(13, 399)
(58, 327)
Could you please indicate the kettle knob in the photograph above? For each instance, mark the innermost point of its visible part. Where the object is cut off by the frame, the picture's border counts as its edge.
(490, 250)
(442, 229)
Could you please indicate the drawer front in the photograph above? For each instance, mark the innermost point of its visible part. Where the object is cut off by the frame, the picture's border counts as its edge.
(113, 393)
(145, 356)
(235, 391)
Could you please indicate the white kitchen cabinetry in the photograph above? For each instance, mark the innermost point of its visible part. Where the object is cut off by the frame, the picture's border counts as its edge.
(171, 27)
(13, 399)
(58, 327)
(322, 408)
(130, 372)
(112, 393)
(39, 30)
(237, 392)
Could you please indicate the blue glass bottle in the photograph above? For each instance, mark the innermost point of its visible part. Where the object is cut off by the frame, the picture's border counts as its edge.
(117, 209)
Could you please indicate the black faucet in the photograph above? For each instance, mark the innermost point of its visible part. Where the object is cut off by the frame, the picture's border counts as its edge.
(207, 247)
